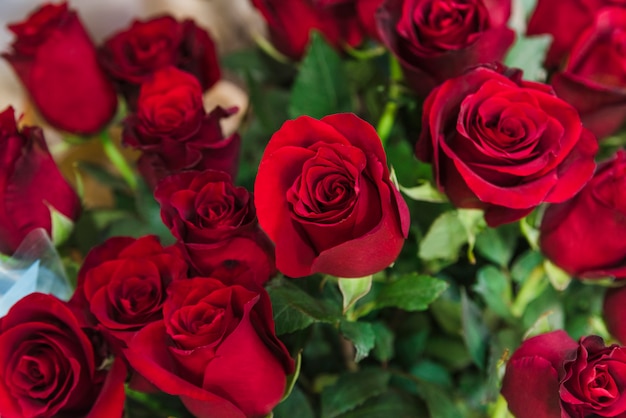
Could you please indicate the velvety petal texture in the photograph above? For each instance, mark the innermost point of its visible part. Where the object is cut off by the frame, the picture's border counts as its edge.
(324, 196)
(51, 367)
(216, 349)
(435, 40)
(56, 62)
(174, 132)
(614, 312)
(504, 145)
(132, 55)
(569, 230)
(216, 226)
(30, 184)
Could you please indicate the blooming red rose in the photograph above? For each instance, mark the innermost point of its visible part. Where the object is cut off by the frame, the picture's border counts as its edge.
(215, 224)
(551, 376)
(57, 63)
(122, 285)
(324, 196)
(504, 145)
(596, 217)
(614, 312)
(51, 367)
(290, 23)
(436, 40)
(173, 131)
(131, 56)
(594, 78)
(216, 349)
(30, 184)
(564, 20)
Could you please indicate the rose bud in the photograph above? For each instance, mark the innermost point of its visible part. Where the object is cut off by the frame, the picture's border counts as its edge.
(174, 132)
(290, 23)
(504, 145)
(51, 367)
(215, 225)
(56, 62)
(594, 78)
(552, 376)
(324, 196)
(31, 185)
(533, 374)
(122, 283)
(131, 56)
(436, 40)
(564, 20)
(585, 235)
(226, 362)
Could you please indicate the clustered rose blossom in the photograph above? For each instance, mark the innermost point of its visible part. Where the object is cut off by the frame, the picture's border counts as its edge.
(31, 185)
(56, 62)
(600, 206)
(324, 196)
(551, 375)
(503, 144)
(173, 131)
(588, 50)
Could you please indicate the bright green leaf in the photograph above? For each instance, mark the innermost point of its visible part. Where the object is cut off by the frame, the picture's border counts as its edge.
(353, 290)
(424, 192)
(412, 292)
(498, 244)
(62, 226)
(528, 54)
(495, 288)
(293, 378)
(352, 390)
(321, 86)
(450, 231)
(559, 278)
(362, 336)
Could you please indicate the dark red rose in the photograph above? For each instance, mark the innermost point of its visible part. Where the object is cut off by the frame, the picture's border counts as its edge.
(436, 40)
(290, 23)
(366, 10)
(215, 224)
(30, 184)
(504, 145)
(216, 349)
(51, 367)
(564, 20)
(551, 376)
(131, 56)
(173, 131)
(585, 235)
(324, 196)
(122, 285)
(531, 383)
(614, 312)
(594, 78)
(57, 63)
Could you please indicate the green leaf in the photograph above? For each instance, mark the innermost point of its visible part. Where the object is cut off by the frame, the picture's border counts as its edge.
(495, 288)
(383, 348)
(559, 278)
(411, 292)
(352, 390)
(321, 87)
(475, 333)
(450, 231)
(296, 405)
(353, 290)
(389, 404)
(62, 226)
(294, 309)
(293, 378)
(439, 404)
(424, 192)
(362, 336)
(528, 54)
(498, 244)
(102, 175)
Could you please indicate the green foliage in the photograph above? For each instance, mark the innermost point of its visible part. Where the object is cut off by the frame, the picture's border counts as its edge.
(412, 292)
(362, 336)
(528, 54)
(352, 390)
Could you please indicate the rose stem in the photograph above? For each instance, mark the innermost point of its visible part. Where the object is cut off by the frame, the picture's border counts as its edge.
(118, 160)
(385, 123)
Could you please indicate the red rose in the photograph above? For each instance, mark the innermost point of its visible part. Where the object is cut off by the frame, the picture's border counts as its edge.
(30, 184)
(290, 23)
(504, 145)
(594, 78)
(216, 349)
(613, 312)
(551, 376)
(215, 224)
(365, 9)
(131, 56)
(436, 40)
(56, 61)
(596, 217)
(564, 20)
(324, 196)
(172, 129)
(51, 367)
(122, 284)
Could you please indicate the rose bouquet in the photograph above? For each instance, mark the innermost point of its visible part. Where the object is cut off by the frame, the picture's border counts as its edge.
(416, 211)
